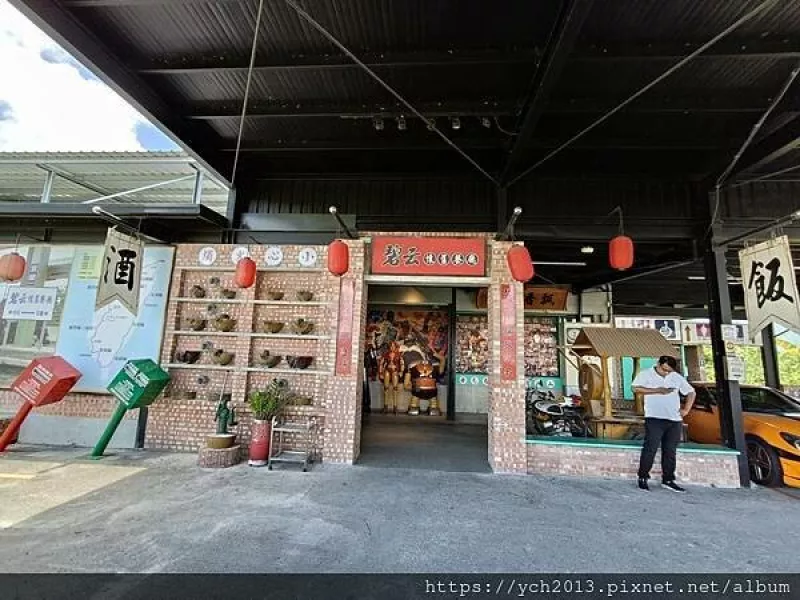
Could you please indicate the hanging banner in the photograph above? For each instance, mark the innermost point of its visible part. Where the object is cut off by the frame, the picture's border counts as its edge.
(344, 336)
(508, 333)
(121, 271)
(770, 287)
(429, 256)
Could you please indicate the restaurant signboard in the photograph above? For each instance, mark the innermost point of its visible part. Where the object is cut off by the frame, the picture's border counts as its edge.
(431, 256)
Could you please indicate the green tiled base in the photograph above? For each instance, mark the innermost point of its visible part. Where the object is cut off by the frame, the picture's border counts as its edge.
(631, 444)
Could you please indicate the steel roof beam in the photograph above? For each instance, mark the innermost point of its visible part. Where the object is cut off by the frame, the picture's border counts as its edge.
(560, 45)
(453, 58)
(747, 48)
(770, 149)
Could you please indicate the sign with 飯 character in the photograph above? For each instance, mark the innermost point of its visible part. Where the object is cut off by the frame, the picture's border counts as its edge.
(770, 287)
(120, 271)
(429, 256)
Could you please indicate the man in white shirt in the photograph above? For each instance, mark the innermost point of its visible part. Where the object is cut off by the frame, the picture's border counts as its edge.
(660, 387)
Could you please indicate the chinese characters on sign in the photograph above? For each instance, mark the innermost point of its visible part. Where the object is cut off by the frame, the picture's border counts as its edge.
(30, 304)
(546, 298)
(121, 271)
(428, 256)
(508, 333)
(344, 337)
(769, 285)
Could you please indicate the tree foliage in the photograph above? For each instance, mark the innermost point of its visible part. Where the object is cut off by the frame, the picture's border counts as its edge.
(788, 363)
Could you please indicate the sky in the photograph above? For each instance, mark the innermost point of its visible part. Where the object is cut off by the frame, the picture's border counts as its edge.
(50, 103)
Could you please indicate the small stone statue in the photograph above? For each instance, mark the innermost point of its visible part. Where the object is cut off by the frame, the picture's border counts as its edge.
(225, 416)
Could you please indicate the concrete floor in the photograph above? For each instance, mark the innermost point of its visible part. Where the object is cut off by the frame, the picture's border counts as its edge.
(167, 515)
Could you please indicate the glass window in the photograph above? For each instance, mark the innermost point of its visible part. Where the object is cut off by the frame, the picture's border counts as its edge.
(767, 401)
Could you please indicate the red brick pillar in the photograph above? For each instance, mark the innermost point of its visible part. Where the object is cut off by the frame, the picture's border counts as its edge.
(507, 450)
(344, 393)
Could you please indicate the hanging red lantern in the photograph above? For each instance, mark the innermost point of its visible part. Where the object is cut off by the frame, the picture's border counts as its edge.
(338, 258)
(12, 267)
(520, 263)
(245, 272)
(620, 253)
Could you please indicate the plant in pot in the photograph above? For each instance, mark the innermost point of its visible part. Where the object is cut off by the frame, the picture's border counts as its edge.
(265, 404)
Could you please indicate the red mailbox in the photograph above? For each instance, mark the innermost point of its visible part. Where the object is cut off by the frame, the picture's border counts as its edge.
(44, 381)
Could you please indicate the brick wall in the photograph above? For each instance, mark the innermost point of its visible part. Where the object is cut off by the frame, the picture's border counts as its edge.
(96, 406)
(720, 470)
(179, 423)
(507, 452)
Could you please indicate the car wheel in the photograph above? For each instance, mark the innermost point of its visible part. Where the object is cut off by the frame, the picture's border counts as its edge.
(765, 467)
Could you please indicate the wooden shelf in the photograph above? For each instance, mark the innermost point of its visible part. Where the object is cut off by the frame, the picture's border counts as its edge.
(279, 336)
(285, 371)
(205, 333)
(289, 303)
(197, 367)
(288, 336)
(211, 300)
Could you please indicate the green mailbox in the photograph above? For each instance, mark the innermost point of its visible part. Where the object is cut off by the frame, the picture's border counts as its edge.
(137, 384)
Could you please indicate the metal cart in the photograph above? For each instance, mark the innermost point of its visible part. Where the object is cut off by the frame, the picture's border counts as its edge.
(304, 430)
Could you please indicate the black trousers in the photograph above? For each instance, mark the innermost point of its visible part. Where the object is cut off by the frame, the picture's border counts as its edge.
(667, 435)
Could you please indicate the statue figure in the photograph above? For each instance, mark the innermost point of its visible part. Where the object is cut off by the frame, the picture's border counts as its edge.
(390, 368)
(423, 387)
(225, 416)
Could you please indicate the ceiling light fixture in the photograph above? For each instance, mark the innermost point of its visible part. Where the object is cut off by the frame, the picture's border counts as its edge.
(455, 123)
(431, 124)
(486, 122)
(378, 123)
(401, 123)
(587, 250)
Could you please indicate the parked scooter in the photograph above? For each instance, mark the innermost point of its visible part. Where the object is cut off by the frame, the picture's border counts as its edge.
(554, 418)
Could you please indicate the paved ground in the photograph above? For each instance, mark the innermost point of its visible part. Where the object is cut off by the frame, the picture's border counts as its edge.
(148, 512)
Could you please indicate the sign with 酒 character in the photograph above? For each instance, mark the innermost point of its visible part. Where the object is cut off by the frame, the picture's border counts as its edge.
(429, 256)
(121, 271)
(770, 287)
(138, 383)
(30, 303)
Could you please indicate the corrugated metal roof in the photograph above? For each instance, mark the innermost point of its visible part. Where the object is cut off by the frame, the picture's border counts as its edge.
(620, 342)
(22, 177)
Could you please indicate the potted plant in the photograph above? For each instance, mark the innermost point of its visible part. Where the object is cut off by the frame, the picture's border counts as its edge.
(265, 404)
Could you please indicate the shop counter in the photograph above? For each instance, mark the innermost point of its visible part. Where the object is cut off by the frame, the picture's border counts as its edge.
(698, 464)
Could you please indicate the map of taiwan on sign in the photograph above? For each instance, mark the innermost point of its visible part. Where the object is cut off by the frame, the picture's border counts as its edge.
(99, 343)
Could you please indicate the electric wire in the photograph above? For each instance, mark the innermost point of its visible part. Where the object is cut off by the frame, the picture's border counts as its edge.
(247, 91)
(741, 21)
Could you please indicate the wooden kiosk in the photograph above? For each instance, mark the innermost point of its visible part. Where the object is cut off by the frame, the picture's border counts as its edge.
(595, 384)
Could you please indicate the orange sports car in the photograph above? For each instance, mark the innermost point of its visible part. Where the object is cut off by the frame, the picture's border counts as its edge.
(771, 427)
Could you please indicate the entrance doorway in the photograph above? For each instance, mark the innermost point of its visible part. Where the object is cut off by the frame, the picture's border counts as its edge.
(416, 415)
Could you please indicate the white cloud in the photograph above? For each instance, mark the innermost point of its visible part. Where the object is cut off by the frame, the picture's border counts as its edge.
(49, 103)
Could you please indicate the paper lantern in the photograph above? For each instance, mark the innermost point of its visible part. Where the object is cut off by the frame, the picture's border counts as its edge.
(620, 252)
(520, 264)
(12, 267)
(245, 272)
(338, 258)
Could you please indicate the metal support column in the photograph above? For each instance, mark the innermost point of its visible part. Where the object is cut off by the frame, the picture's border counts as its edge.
(729, 393)
(197, 190)
(48, 186)
(769, 352)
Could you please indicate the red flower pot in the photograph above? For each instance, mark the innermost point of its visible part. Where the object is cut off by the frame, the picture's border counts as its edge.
(259, 443)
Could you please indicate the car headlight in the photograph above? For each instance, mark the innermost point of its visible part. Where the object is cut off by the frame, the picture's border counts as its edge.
(792, 440)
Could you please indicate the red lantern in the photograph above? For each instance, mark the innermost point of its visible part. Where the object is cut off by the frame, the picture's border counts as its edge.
(12, 267)
(338, 258)
(520, 264)
(620, 252)
(245, 272)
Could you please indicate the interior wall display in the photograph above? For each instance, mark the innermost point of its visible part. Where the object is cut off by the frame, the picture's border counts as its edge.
(546, 298)
(121, 272)
(541, 347)
(669, 327)
(770, 287)
(472, 344)
(421, 334)
(429, 256)
(99, 343)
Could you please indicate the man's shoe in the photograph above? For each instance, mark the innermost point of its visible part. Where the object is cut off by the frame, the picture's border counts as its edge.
(671, 485)
(643, 484)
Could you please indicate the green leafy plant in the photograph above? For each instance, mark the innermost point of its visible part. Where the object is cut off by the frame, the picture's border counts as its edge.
(268, 403)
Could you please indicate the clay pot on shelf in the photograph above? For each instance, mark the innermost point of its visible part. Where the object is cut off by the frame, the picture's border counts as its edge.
(269, 360)
(299, 362)
(275, 296)
(305, 296)
(197, 292)
(221, 357)
(271, 327)
(302, 327)
(186, 395)
(224, 323)
(302, 401)
(188, 357)
(196, 323)
(228, 294)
